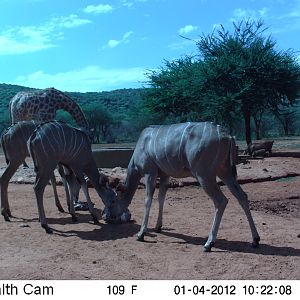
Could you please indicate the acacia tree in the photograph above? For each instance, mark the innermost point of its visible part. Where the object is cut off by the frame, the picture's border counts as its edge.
(247, 63)
(235, 76)
(174, 91)
(100, 120)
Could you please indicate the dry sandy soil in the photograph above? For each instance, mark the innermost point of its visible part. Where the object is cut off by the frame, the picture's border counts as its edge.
(83, 250)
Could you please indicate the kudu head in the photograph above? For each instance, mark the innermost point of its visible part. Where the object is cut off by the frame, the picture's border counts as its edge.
(116, 211)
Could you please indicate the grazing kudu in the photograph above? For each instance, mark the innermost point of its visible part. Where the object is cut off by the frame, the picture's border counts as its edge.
(14, 145)
(202, 150)
(54, 143)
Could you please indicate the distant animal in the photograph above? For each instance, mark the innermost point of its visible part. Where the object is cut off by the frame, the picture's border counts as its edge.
(202, 150)
(253, 149)
(54, 143)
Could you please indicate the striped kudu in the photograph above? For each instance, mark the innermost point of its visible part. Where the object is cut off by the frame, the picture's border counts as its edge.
(202, 150)
(14, 145)
(54, 143)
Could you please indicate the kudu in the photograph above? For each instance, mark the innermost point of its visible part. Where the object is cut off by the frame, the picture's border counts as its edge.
(202, 150)
(54, 143)
(14, 145)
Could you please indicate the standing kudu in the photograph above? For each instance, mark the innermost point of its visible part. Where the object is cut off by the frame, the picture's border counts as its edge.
(14, 145)
(202, 150)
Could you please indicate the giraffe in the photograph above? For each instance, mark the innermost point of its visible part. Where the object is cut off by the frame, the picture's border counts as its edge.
(42, 105)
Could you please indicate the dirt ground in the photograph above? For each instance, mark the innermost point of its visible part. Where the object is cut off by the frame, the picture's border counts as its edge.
(83, 250)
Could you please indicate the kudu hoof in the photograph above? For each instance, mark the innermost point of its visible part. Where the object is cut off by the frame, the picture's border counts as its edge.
(6, 218)
(95, 219)
(140, 238)
(74, 218)
(6, 215)
(8, 212)
(255, 242)
(158, 229)
(207, 248)
(47, 229)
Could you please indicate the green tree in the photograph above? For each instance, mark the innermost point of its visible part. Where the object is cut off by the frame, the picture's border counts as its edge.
(100, 120)
(174, 91)
(247, 64)
(236, 75)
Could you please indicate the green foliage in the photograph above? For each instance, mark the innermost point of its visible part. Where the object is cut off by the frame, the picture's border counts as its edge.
(111, 114)
(236, 75)
(99, 120)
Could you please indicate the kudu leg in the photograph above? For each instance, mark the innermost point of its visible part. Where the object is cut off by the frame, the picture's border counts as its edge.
(71, 191)
(62, 172)
(57, 202)
(5, 178)
(39, 188)
(150, 187)
(212, 189)
(242, 198)
(163, 187)
(85, 190)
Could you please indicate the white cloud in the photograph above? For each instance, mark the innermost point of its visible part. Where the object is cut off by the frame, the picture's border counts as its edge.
(28, 39)
(187, 29)
(130, 3)
(71, 21)
(126, 3)
(114, 43)
(98, 9)
(240, 14)
(87, 79)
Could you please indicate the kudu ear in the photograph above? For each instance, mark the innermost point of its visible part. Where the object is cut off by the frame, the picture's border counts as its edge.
(121, 187)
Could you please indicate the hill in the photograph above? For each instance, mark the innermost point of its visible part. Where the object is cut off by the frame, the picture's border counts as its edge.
(117, 101)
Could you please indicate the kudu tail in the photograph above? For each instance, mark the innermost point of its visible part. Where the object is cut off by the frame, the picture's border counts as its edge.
(233, 156)
(31, 152)
(4, 146)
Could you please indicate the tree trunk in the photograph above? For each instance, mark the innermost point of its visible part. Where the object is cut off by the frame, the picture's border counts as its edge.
(286, 128)
(257, 122)
(257, 130)
(247, 119)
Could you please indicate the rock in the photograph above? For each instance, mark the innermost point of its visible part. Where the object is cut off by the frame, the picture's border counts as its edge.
(116, 169)
(20, 179)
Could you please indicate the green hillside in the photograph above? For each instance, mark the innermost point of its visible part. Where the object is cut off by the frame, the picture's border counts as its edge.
(112, 110)
(118, 101)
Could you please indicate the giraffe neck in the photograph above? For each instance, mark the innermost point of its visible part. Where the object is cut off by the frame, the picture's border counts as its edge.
(66, 103)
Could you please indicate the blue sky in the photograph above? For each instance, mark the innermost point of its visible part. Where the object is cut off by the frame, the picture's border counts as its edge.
(95, 45)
